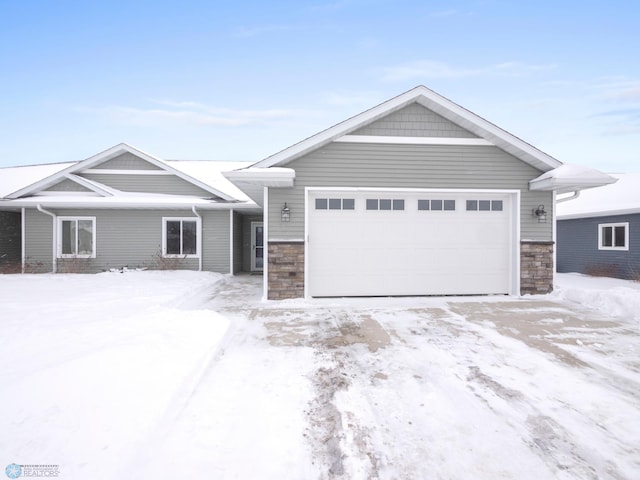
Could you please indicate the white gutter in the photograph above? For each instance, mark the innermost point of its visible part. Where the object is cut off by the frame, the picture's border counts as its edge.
(575, 195)
(193, 209)
(55, 237)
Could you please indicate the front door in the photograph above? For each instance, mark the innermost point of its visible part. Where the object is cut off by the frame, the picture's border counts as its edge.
(257, 246)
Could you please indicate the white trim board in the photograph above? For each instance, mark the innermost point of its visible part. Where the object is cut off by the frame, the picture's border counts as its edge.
(413, 140)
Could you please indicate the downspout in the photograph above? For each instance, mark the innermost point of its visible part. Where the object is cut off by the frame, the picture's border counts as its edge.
(265, 244)
(55, 237)
(231, 242)
(23, 231)
(193, 209)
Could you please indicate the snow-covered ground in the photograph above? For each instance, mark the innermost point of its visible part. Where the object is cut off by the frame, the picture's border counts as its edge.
(184, 374)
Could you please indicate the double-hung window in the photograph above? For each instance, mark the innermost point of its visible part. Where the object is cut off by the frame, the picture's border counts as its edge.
(180, 237)
(613, 236)
(76, 237)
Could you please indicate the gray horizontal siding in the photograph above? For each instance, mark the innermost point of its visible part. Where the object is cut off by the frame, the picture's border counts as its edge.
(38, 241)
(408, 166)
(237, 242)
(127, 161)
(414, 121)
(169, 184)
(67, 185)
(129, 238)
(216, 241)
(577, 249)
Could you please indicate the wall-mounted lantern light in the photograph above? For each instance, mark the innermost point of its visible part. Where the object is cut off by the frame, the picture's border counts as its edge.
(285, 213)
(540, 213)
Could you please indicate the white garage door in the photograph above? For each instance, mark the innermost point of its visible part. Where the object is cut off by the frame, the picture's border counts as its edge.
(384, 242)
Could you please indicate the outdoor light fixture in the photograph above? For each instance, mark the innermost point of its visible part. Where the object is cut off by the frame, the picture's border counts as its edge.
(540, 213)
(285, 213)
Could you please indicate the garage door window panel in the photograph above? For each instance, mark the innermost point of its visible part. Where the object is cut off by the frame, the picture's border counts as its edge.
(484, 205)
(386, 204)
(437, 205)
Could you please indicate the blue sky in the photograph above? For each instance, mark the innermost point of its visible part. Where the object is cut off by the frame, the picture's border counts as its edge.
(242, 80)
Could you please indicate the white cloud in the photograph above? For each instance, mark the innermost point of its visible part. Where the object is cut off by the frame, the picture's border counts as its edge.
(625, 93)
(193, 113)
(433, 69)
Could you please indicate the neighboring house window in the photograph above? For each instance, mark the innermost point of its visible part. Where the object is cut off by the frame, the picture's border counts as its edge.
(76, 237)
(180, 237)
(613, 236)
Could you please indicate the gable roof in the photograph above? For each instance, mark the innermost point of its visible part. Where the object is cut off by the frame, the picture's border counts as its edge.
(434, 102)
(102, 157)
(619, 198)
(13, 179)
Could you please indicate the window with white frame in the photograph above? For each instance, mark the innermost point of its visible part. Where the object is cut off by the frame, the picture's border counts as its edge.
(180, 237)
(613, 236)
(76, 237)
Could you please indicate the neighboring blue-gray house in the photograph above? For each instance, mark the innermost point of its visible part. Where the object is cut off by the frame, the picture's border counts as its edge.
(599, 231)
(415, 196)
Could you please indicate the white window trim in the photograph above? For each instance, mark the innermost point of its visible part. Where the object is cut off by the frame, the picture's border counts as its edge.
(59, 239)
(601, 226)
(198, 236)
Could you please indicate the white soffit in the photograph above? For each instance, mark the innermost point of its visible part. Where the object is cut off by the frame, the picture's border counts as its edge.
(570, 178)
(265, 177)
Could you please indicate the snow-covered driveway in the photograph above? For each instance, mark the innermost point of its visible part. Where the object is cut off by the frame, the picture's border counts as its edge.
(222, 385)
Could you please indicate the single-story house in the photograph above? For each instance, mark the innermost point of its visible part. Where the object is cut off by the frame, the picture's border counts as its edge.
(599, 231)
(124, 207)
(416, 196)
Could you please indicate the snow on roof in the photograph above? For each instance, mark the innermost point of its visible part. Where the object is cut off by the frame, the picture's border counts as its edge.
(208, 172)
(13, 179)
(570, 178)
(618, 198)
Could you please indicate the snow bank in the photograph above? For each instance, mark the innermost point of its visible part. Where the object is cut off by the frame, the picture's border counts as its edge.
(611, 296)
(90, 365)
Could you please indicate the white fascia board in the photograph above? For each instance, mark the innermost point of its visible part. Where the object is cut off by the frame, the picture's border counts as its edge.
(382, 139)
(266, 177)
(108, 171)
(96, 187)
(487, 130)
(343, 128)
(116, 203)
(438, 104)
(604, 213)
(565, 184)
